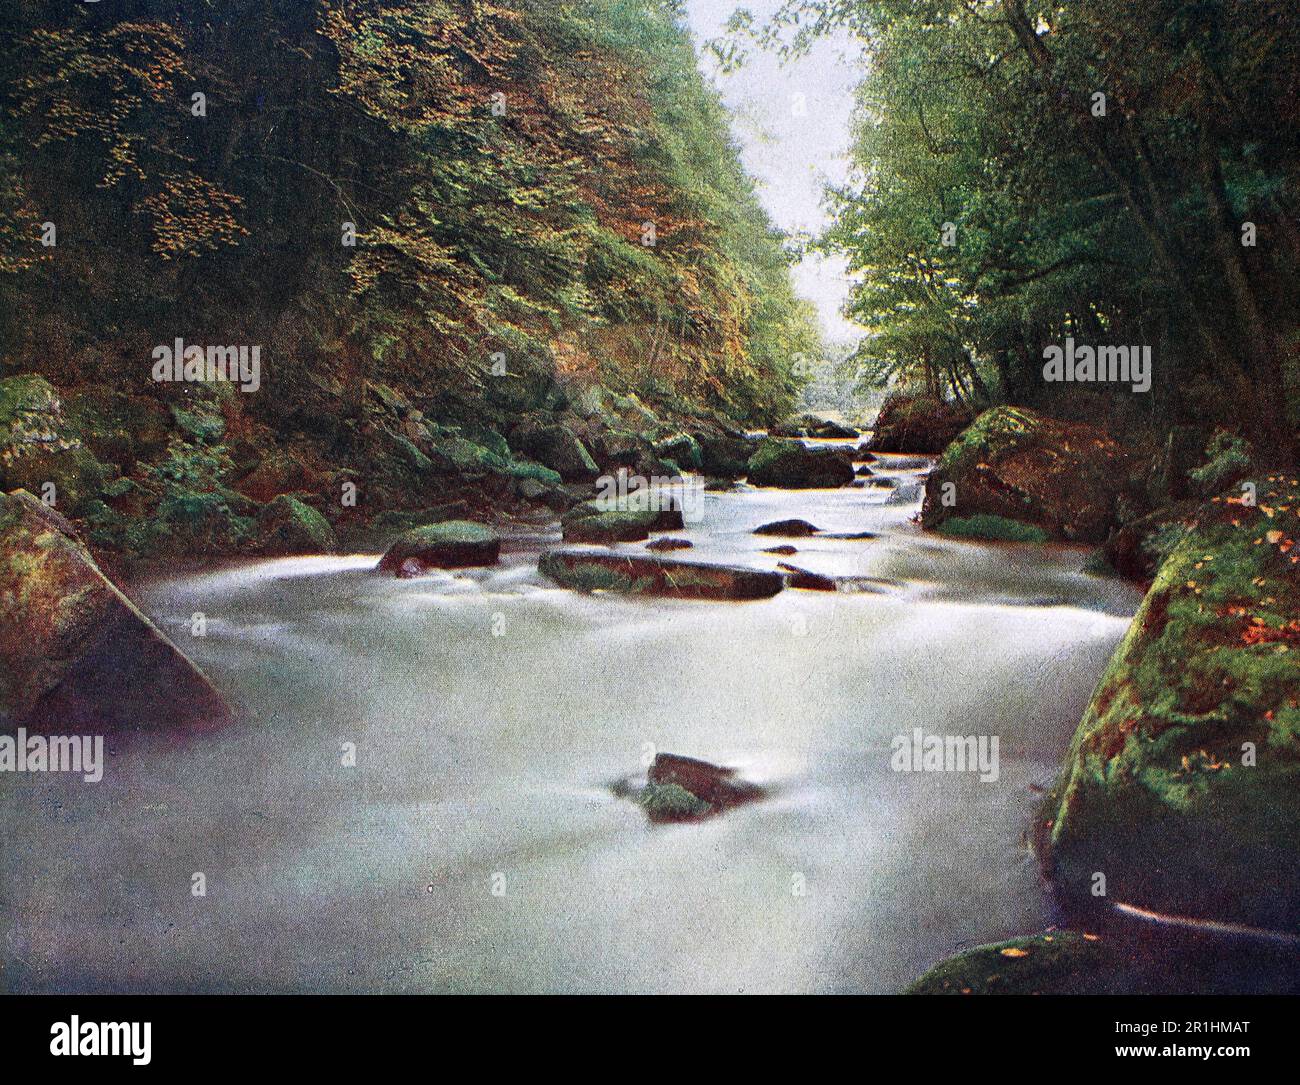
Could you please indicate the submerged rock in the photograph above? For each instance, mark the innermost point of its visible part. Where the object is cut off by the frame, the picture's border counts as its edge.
(792, 465)
(785, 550)
(77, 652)
(1021, 466)
(1182, 784)
(670, 544)
(806, 581)
(788, 529)
(645, 575)
(452, 544)
(917, 423)
(686, 789)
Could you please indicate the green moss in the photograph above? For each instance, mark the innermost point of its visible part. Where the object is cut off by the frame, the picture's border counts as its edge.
(671, 801)
(1056, 962)
(1001, 528)
(991, 432)
(584, 576)
(449, 531)
(1158, 791)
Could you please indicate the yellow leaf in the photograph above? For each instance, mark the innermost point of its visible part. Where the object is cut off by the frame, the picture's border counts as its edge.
(1014, 951)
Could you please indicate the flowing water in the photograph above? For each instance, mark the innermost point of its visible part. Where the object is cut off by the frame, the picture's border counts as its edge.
(476, 844)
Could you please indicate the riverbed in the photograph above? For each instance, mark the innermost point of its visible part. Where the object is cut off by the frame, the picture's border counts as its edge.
(419, 794)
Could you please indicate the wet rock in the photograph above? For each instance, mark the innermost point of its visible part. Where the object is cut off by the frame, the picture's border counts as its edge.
(645, 575)
(917, 423)
(288, 526)
(670, 544)
(785, 550)
(792, 465)
(788, 529)
(850, 536)
(863, 471)
(453, 544)
(77, 653)
(1182, 783)
(806, 581)
(1021, 466)
(714, 788)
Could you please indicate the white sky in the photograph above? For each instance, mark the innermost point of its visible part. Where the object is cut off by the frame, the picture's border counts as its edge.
(791, 153)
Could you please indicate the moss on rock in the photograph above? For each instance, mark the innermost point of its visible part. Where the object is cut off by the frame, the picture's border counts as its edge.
(1182, 784)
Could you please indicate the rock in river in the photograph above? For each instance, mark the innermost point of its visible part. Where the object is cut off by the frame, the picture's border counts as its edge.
(78, 653)
(452, 544)
(788, 529)
(645, 575)
(792, 465)
(1017, 466)
(685, 789)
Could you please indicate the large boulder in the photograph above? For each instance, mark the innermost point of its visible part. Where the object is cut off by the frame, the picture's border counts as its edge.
(452, 544)
(289, 526)
(917, 423)
(555, 446)
(792, 465)
(1016, 465)
(1182, 785)
(726, 456)
(77, 653)
(644, 575)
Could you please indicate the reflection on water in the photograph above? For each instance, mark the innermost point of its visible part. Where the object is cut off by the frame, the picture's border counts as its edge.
(476, 845)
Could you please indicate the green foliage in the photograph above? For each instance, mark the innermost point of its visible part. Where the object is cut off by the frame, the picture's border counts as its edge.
(1227, 459)
(499, 162)
(978, 124)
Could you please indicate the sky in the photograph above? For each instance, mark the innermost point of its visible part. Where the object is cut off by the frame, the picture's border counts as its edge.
(791, 121)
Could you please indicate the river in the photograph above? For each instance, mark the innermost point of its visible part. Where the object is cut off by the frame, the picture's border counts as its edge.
(477, 843)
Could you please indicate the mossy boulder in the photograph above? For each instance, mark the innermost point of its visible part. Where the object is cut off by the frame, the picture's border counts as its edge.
(452, 544)
(629, 519)
(793, 465)
(1182, 784)
(917, 423)
(77, 653)
(1062, 962)
(726, 456)
(289, 526)
(1016, 464)
(645, 575)
(613, 526)
(683, 449)
(40, 448)
(555, 446)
